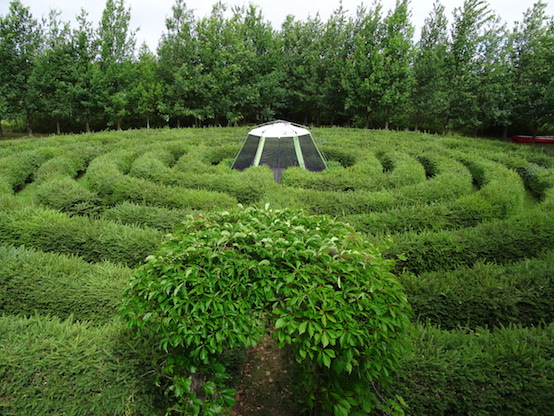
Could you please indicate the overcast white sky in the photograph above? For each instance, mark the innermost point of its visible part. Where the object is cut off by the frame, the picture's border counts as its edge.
(149, 16)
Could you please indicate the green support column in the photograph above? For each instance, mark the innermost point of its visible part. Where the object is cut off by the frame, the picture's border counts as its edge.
(298, 151)
(259, 152)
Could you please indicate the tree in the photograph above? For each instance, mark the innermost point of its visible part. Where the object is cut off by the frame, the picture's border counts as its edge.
(148, 88)
(85, 90)
(496, 89)
(178, 55)
(20, 36)
(534, 68)
(53, 76)
(116, 47)
(336, 47)
(219, 68)
(463, 65)
(395, 79)
(258, 94)
(430, 94)
(302, 68)
(365, 66)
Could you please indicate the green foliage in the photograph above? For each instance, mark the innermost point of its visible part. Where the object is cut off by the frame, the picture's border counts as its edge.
(18, 168)
(518, 237)
(538, 179)
(485, 294)
(51, 366)
(222, 279)
(67, 195)
(468, 225)
(504, 372)
(93, 240)
(164, 219)
(114, 187)
(52, 284)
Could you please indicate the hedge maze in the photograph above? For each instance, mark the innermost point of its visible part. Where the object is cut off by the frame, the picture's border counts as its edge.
(470, 221)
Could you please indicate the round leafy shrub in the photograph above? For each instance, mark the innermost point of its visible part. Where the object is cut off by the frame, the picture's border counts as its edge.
(224, 279)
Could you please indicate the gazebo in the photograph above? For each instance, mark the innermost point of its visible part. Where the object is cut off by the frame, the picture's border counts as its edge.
(280, 145)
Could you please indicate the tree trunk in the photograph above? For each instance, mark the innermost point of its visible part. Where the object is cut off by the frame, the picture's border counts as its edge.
(505, 133)
(29, 128)
(386, 124)
(1, 131)
(475, 131)
(119, 124)
(178, 123)
(87, 125)
(366, 125)
(58, 127)
(148, 121)
(445, 128)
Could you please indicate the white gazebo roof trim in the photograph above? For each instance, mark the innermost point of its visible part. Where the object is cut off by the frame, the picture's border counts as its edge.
(279, 129)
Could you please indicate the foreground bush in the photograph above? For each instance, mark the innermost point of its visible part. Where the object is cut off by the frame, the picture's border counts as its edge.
(223, 279)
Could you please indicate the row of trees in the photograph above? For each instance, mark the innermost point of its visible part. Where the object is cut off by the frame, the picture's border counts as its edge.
(366, 70)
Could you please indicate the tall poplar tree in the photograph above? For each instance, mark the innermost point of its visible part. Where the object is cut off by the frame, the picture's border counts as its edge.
(335, 49)
(20, 36)
(396, 78)
(496, 90)
(534, 69)
(117, 48)
(463, 69)
(177, 66)
(53, 76)
(430, 94)
(365, 67)
(86, 91)
(258, 94)
(147, 91)
(302, 68)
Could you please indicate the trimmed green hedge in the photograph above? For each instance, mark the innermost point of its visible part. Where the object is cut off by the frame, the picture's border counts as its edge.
(164, 219)
(538, 179)
(504, 372)
(19, 168)
(54, 367)
(451, 180)
(93, 240)
(485, 294)
(67, 195)
(53, 284)
(402, 169)
(521, 236)
(70, 163)
(114, 187)
(365, 175)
